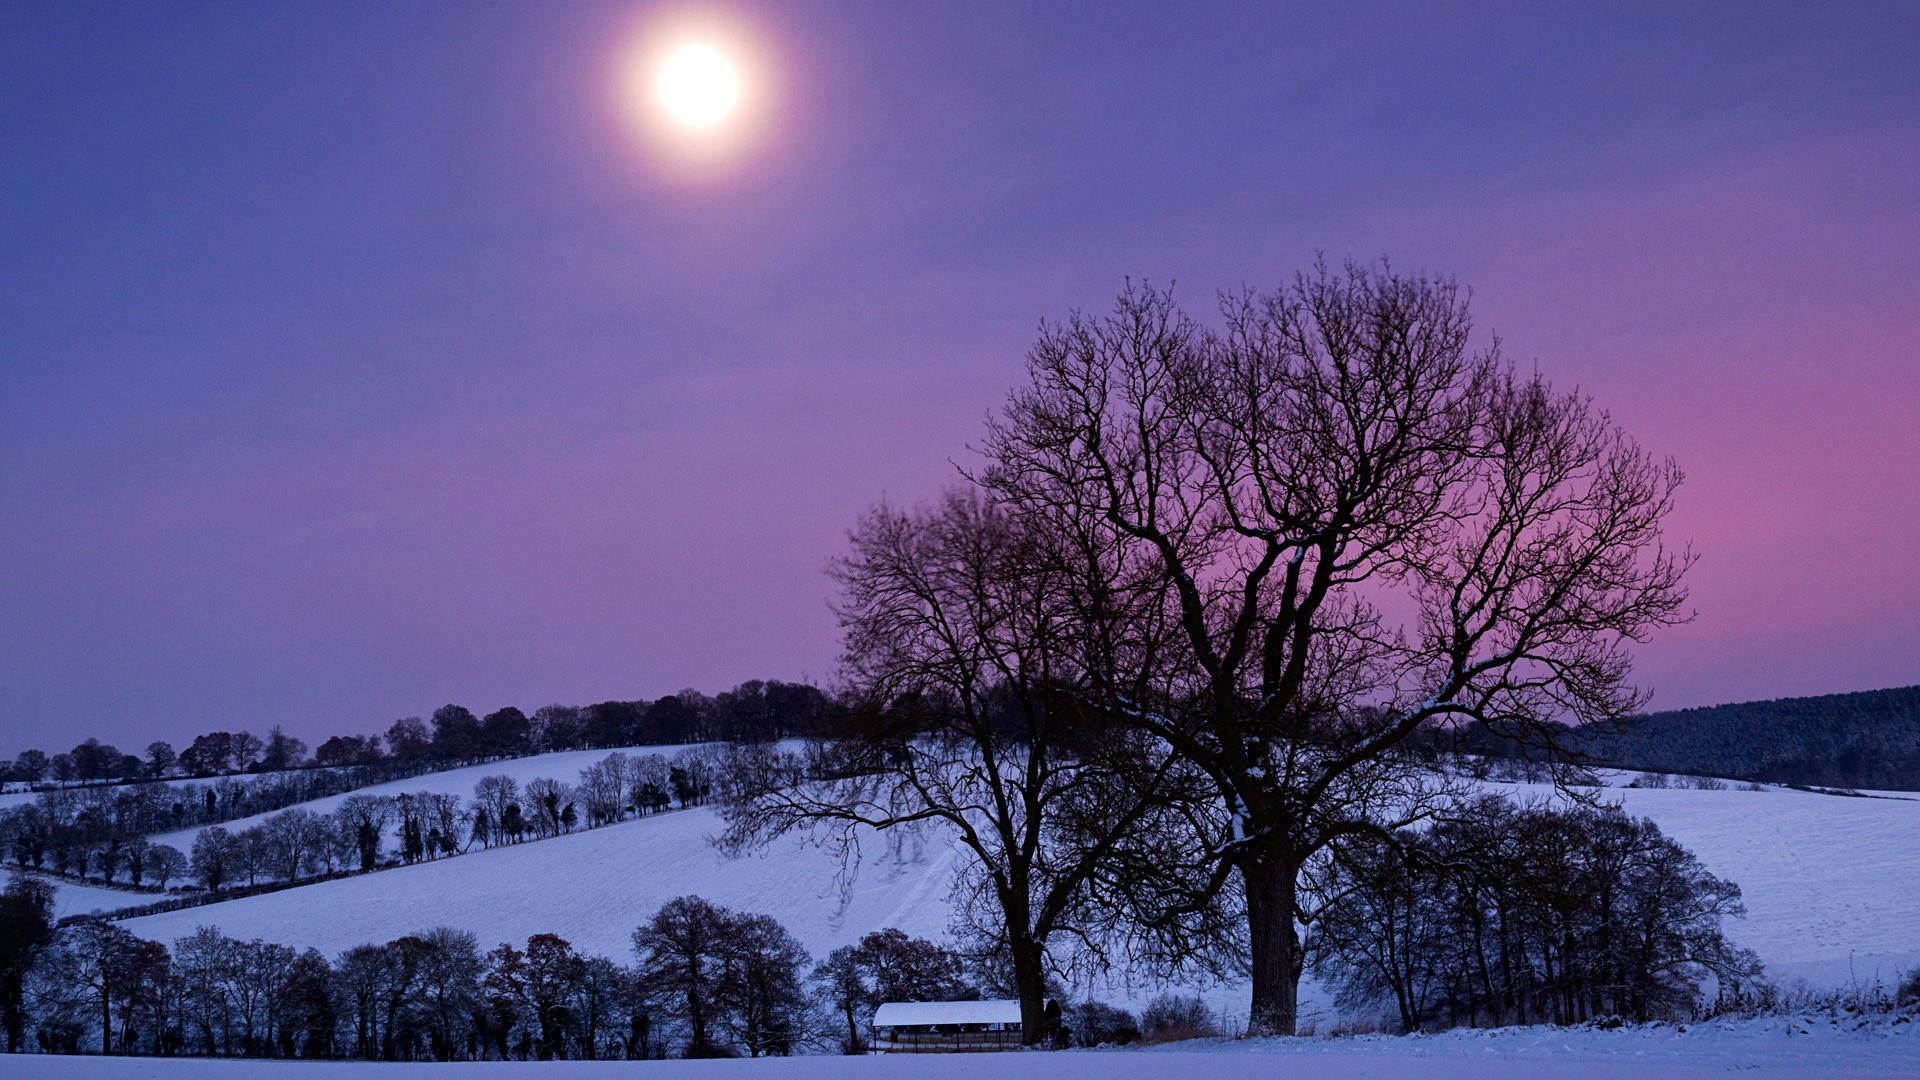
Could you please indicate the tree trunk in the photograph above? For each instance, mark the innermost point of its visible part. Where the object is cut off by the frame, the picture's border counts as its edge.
(13, 1004)
(1030, 983)
(1270, 883)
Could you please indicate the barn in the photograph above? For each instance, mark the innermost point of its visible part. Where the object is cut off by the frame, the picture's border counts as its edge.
(946, 1027)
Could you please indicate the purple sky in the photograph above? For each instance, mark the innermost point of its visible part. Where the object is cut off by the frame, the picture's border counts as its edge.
(357, 357)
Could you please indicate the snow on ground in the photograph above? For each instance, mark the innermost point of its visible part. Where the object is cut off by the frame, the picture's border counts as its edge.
(593, 888)
(564, 766)
(70, 898)
(13, 797)
(1832, 884)
(1782, 1048)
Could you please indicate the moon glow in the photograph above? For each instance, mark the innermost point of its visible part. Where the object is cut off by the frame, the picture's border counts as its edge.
(697, 85)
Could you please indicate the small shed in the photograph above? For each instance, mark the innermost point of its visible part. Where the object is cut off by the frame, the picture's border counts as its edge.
(946, 1027)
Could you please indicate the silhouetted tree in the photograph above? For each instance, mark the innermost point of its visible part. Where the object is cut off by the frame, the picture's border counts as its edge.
(165, 863)
(1359, 527)
(409, 742)
(216, 857)
(26, 929)
(1525, 914)
(160, 758)
(961, 662)
(247, 748)
(32, 766)
(683, 955)
(456, 734)
(282, 751)
(504, 733)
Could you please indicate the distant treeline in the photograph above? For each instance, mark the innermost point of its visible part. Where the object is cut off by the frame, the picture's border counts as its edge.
(1869, 739)
(754, 711)
(92, 818)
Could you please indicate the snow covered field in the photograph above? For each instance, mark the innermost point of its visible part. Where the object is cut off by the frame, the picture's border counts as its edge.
(592, 888)
(15, 796)
(72, 899)
(1832, 883)
(564, 766)
(1783, 1048)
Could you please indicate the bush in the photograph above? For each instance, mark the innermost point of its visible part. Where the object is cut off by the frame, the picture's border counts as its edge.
(1096, 1023)
(1174, 1016)
(1908, 995)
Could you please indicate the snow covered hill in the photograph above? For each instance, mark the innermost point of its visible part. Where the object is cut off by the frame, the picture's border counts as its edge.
(70, 898)
(564, 766)
(593, 888)
(1832, 884)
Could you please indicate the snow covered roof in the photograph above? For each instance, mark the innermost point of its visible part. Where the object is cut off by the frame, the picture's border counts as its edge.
(914, 1013)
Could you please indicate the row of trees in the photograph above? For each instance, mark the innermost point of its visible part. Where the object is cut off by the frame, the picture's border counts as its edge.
(95, 830)
(213, 753)
(367, 831)
(100, 832)
(705, 981)
(754, 711)
(1503, 914)
(1165, 653)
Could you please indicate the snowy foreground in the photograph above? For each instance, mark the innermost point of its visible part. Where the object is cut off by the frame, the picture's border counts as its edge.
(1773, 1047)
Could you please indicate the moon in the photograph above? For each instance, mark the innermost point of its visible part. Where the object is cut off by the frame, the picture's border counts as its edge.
(698, 85)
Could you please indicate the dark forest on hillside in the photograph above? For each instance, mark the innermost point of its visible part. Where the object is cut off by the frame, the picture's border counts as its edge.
(1866, 739)
(1869, 739)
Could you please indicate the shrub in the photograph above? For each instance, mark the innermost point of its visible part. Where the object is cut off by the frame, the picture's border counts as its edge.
(1175, 1016)
(1096, 1023)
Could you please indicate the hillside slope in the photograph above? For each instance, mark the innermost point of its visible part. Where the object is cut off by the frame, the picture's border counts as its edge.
(1869, 739)
(1832, 885)
(564, 766)
(593, 888)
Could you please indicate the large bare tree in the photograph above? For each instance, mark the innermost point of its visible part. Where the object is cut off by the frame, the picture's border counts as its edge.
(961, 646)
(1360, 526)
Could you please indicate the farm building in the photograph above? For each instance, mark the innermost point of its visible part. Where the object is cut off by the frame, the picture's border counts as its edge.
(945, 1027)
